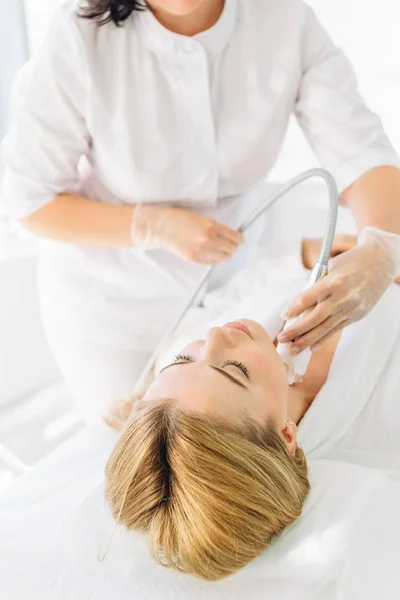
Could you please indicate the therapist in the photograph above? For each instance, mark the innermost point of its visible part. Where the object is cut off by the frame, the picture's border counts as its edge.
(140, 133)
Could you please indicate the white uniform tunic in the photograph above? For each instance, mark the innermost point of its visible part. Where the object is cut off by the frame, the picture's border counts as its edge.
(161, 117)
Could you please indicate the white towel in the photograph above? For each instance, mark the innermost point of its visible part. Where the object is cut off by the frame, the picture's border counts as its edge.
(362, 363)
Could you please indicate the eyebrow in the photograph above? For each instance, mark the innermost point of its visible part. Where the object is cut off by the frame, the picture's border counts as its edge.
(224, 373)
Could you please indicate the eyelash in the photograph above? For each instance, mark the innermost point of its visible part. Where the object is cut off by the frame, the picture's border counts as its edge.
(236, 363)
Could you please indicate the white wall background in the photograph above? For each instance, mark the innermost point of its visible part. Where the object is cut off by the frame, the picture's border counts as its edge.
(26, 364)
(10, 17)
(25, 360)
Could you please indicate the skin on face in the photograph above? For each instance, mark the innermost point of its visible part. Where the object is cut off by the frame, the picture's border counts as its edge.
(202, 379)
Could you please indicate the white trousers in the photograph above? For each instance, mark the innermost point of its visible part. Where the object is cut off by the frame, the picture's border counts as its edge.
(96, 374)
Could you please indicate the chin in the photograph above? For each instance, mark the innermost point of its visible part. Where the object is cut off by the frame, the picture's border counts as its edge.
(179, 8)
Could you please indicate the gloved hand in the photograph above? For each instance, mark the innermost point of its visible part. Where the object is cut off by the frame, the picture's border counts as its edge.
(183, 232)
(356, 281)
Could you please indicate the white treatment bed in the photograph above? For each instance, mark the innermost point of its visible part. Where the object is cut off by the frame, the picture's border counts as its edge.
(54, 521)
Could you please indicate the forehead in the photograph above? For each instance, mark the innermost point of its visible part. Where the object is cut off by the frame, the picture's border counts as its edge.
(197, 386)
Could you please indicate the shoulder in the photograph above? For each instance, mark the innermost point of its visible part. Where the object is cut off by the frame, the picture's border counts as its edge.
(276, 8)
(65, 29)
(279, 24)
(282, 14)
(66, 17)
(70, 23)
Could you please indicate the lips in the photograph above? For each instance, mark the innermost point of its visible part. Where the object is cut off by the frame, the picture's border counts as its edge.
(240, 327)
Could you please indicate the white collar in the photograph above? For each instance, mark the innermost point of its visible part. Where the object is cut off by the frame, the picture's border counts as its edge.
(213, 40)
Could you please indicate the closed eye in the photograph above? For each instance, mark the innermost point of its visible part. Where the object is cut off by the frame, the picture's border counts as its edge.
(235, 363)
(239, 365)
(183, 357)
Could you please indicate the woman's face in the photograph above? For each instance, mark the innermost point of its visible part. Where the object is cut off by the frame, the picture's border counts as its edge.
(234, 371)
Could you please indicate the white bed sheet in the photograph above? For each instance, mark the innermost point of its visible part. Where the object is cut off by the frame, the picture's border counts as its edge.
(344, 546)
(54, 520)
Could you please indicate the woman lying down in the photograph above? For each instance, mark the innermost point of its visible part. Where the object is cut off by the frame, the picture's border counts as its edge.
(209, 462)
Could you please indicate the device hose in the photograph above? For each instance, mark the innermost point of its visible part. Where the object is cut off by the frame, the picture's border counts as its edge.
(319, 270)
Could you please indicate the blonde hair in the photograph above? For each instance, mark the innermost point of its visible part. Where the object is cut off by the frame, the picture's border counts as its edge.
(209, 495)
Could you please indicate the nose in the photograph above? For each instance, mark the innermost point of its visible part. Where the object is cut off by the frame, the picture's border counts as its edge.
(217, 340)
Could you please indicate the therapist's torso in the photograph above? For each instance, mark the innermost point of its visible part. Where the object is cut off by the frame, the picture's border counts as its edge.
(161, 117)
(194, 121)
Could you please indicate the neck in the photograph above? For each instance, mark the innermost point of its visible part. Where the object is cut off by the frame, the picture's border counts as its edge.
(299, 401)
(302, 395)
(201, 19)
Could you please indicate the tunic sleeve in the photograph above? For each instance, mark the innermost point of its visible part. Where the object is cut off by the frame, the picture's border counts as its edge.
(48, 133)
(346, 136)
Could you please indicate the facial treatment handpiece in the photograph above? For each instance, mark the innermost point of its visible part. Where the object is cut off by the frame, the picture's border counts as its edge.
(298, 365)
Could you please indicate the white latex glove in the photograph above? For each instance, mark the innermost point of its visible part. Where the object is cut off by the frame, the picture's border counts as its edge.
(183, 232)
(356, 281)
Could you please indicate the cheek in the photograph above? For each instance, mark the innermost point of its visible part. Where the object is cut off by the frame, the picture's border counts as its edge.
(273, 387)
(269, 369)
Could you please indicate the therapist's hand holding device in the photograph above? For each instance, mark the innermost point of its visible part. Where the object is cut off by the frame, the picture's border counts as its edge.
(356, 281)
(183, 232)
